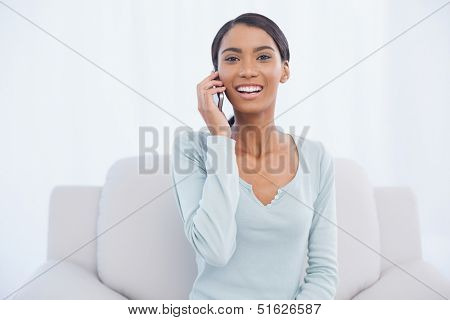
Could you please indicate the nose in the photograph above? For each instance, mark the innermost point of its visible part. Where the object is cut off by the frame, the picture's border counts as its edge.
(248, 70)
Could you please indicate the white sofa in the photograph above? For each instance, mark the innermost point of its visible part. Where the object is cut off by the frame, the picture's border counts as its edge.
(125, 240)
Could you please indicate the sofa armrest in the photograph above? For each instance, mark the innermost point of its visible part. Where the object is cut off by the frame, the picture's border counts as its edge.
(422, 281)
(73, 214)
(64, 281)
(399, 225)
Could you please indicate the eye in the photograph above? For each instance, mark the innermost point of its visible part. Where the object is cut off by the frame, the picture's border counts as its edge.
(228, 59)
(263, 55)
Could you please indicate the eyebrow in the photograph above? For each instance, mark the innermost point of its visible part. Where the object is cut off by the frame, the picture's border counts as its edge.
(254, 50)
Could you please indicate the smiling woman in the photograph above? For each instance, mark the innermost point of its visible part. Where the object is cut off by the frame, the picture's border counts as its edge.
(257, 203)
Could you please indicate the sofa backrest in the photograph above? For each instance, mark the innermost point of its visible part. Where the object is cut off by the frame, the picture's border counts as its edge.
(72, 225)
(145, 254)
(358, 233)
(142, 249)
(398, 217)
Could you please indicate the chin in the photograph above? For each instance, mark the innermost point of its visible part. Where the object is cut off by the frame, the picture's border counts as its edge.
(253, 107)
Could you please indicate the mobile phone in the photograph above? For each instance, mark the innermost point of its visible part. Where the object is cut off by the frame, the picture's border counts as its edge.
(218, 98)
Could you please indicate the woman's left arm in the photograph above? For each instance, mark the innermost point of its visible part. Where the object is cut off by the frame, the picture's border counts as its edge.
(321, 279)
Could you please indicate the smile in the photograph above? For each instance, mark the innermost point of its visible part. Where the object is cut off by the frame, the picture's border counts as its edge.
(249, 95)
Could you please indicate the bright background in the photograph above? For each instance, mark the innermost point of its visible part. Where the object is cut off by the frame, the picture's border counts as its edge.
(65, 121)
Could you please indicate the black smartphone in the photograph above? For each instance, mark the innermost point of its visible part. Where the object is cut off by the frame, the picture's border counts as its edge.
(218, 98)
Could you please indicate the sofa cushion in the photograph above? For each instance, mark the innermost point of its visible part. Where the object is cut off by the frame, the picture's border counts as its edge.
(358, 233)
(142, 250)
(64, 280)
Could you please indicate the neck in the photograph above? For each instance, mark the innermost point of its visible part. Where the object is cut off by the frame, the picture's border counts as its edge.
(256, 139)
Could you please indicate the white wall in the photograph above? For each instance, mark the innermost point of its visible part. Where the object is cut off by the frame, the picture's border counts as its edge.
(64, 121)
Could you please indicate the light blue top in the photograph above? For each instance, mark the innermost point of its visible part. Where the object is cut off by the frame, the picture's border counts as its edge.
(244, 249)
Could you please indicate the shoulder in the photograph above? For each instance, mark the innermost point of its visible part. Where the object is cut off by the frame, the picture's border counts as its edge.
(320, 151)
(316, 161)
(313, 152)
(187, 138)
(190, 144)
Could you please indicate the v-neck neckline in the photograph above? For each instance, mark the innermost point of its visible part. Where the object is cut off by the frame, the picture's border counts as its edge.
(282, 190)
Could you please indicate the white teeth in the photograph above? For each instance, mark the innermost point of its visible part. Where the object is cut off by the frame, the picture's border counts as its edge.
(249, 89)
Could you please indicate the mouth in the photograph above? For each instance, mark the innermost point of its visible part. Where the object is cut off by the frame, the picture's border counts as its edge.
(249, 92)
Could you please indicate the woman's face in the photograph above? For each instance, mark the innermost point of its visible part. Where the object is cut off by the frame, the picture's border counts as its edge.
(243, 65)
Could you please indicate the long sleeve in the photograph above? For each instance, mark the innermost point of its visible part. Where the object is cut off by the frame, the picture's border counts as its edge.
(321, 279)
(207, 193)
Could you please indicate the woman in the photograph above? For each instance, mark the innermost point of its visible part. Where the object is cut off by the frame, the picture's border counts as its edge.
(252, 227)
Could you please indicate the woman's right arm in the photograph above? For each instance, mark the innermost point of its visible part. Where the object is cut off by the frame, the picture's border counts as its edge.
(208, 190)
(207, 193)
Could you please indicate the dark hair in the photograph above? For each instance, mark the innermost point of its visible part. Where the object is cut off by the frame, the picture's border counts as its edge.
(252, 20)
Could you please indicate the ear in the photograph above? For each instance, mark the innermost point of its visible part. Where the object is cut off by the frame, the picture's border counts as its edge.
(285, 74)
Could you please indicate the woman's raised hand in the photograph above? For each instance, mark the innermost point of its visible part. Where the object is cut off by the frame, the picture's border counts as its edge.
(215, 119)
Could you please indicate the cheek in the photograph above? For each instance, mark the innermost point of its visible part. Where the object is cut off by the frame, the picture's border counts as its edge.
(225, 74)
(227, 80)
(274, 75)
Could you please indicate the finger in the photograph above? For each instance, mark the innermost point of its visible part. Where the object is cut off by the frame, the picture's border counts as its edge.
(211, 76)
(215, 90)
(212, 83)
(211, 92)
(214, 74)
